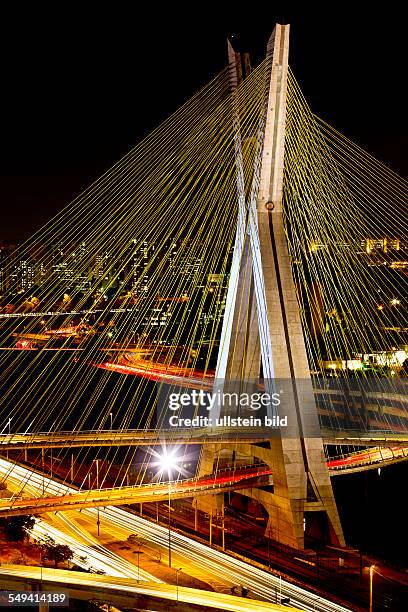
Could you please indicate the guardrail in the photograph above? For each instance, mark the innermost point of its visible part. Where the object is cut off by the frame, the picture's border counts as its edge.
(260, 469)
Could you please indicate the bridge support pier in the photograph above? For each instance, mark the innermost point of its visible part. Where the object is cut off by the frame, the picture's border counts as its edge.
(42, 606)
(209, 504)
(293, 497)
(301, 481)
(288, 519)
(295, 493)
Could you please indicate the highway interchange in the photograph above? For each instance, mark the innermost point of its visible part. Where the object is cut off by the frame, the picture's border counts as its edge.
(118, 524)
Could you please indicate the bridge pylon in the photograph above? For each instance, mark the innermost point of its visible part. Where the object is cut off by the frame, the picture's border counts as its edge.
(262, 325)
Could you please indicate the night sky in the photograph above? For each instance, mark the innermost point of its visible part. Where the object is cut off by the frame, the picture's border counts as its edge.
(80, 88)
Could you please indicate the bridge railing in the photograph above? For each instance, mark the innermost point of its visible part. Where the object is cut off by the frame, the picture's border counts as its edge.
(257, 469)
(118, 432)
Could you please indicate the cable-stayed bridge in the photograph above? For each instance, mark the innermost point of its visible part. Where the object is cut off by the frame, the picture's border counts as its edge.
(245, 240)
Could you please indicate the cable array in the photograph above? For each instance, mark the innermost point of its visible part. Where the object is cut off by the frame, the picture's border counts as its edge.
(345, 216)
(139, 261)
(138, 268)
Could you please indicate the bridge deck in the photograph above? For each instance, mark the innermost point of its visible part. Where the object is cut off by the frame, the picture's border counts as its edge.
(126, 592)
(227, 480)
(143, 437)
(224, 481)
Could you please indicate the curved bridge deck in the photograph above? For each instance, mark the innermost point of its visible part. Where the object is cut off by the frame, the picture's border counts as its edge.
(126, 592)
(227, 480)
(146, 437)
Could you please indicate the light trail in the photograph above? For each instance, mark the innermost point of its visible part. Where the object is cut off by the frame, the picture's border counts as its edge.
(124, 592)
(219, 565)
(22, 315)
(368, 458)
(88, 552)
(152, 492)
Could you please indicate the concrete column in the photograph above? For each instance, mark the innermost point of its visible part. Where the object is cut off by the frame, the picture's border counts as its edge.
(297, 458)
(300, 476)
(211, 525)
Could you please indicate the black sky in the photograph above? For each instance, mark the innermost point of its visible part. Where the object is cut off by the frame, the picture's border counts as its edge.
(80, 87)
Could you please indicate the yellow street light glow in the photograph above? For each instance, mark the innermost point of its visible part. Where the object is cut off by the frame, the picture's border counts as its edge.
(371, 570)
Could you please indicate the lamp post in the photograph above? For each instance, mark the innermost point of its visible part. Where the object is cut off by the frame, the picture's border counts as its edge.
(223, 526)
(98, 522)
(138, 552)
(41, 566)
(169, 526)
(97, 472)
(167, 462)
(372, 567)
(111, 420)
(177, 581)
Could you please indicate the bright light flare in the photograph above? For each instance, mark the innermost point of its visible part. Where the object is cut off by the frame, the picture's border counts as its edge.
(168, 462)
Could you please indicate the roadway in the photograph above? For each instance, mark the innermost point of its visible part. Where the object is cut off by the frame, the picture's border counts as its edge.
(153, 492)
(125, 592)
(193, 435)
(366, 459)
(380, 450)
(223, 481)
(216, 565)
(129, 437)
(89, 554)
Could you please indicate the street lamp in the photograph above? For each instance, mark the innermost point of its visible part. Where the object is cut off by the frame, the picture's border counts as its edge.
(43, 470)
(9, 425)
(177, 581)
(168, 462)
(169, 527)
(97, 472)
(97, 486)
(138, 552)
(372, 568)
(41, 565)
(111, 420)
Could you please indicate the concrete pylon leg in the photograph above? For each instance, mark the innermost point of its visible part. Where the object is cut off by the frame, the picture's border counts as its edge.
(300, 475)
(245, 351)
(285, 517)
(207, 459)
(292, 495)
(243, 343)
(207, 463)
(301, 481)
